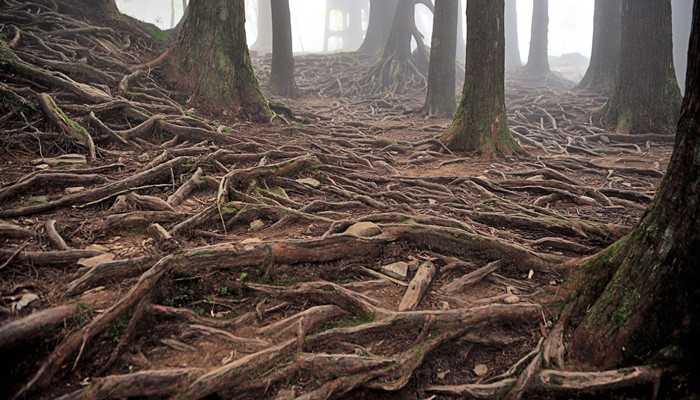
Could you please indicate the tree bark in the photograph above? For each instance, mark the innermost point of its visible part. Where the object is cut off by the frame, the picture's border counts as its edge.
(640, 295)
(381, 14)
(537, 62)
(460, 45)
(605, 53)
(282, 70)
(480, 123)
(440, 99)
(682, 12)
(512, 50)
(263, 42)
(646, 97)
(211, 59)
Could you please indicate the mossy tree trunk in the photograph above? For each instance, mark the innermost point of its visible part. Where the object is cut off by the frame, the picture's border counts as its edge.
(537, 61)
(605, 53)
(282, 71)
(646, 97)
(210, 58)
(512, 50)
(381, 13)
(641, 294)
(682, 14)
(480, 124)
(263, 42)
(440, 99)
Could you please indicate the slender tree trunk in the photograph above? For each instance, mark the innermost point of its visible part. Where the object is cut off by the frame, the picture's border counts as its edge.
(605, 53)
(460, 45)
(512, 50)
(381, 14)
(646, 97)
(682, 11)
(480, 124)
(263, 42)
(282, 72)
(211, 59)
(440, 99)
(172, 14)
(641, 294)
(537, 61)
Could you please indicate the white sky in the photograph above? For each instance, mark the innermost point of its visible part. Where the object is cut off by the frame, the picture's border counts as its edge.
(570, 22)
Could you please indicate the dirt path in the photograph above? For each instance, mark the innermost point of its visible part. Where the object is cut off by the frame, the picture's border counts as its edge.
(338, 250)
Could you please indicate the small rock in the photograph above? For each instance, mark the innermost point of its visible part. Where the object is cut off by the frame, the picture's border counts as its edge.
(26, 299)
(397, 270)
(98, 247)
(604, 139)
(93, 261)
(443, 305)
(74, 189)
(480, 369)
(530, 274)
(35, 200)
(143, 157)
(364, 229)
(432, 202)
(158, 233)
(121, 204)
(512, 299)
(413, 265)
(257, 225)
(309, 182)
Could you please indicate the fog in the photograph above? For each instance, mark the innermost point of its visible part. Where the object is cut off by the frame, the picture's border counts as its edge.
(570, 22)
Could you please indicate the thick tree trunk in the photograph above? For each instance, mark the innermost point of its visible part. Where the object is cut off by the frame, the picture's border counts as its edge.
(605, 53)
(537, 61)
(645, 97)
(381, 14)
(282, 72)
(682, 12)
(641, 294)
(480, 123)
(211, 58)
(512, 50)
(263, 42)
(440, 99)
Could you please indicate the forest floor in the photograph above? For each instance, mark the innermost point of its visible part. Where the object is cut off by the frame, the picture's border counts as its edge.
(338, 250)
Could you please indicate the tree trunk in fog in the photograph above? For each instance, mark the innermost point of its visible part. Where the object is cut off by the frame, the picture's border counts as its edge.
(354, 35)
(480, 123)
(645, 97)
(537, 62)
(263, 42)
(605, 53)
(282, 72)
(381, 15)
(512, 50)
(460, 45)
(440, 99)
(211, 59)
(641, 294)
(398, 43)
(682, 12)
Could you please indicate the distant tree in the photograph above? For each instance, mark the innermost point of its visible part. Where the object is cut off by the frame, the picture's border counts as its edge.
(682, 14)
(645, 97)
(381, 14)
(512, 50)
(605, 54)
(351, 30)
(480, 124)
(641, 294)
(460, 45)
(537, 61)
(210, 58)
(440, 99)
(263, 42)
(282, 72)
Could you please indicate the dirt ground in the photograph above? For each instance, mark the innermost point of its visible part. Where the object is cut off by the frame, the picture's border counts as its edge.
(250, 285)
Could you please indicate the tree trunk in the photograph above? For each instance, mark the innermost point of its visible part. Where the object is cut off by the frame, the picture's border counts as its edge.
(381, 14)
(282, 71)
(512, 50)
(440, 99)
(645, 97)
(263, 42)
(480, 123)
(605, 53)
(211, 59)
(682, 12)
(641, 294)
(460, 45)
(537, 62)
